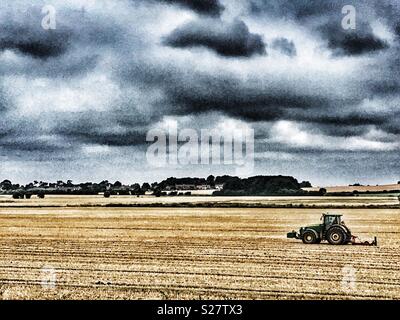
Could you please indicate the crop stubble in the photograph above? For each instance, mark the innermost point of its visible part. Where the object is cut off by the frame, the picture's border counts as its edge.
(186, 253)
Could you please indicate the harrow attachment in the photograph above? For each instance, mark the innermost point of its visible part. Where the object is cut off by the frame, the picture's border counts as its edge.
(356, 241)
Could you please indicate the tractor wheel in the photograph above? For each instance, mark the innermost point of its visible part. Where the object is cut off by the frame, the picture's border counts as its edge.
(309, 237)
(318, 240)
(336, 236)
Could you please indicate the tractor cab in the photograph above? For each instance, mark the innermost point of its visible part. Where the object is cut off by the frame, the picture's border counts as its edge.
(331, 219)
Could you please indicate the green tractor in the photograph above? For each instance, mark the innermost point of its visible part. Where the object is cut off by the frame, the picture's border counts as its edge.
(331, 229)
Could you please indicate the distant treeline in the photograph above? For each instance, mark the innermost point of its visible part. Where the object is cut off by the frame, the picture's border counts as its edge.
(225, 185)
(265, 186)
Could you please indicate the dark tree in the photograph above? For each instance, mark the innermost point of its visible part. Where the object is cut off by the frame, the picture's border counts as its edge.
(154, 185)
(223, 179)
(107, 194)
(322, 191)
(157, 193)
(211, 180)
(6, 185)
(305, 184)
(18, 195)
(135, 189)
(117, 184)
(146, 187)
(41, 194)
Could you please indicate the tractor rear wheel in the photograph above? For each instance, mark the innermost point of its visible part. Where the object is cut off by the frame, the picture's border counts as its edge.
(336, 236)
(309, 237)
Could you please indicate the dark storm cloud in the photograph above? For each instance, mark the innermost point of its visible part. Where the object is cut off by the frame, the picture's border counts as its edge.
(20, 135)
(352, 42)
(29, 143)
(345, 130)
(27, 37)
(73, 50)
(325, 17)
(353, 119)
(239, 99)
(42, 46)
(285, 46)
(194, 93)
(227, 39)
(128, 137)
(206, 7)
(111, 75)
(64, 50)
(100, 127)
(385, 87)
(197, 92)
(5, 102)
(24, 35)
(297, 10)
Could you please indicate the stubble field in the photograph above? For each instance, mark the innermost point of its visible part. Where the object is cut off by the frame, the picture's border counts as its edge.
(186, 253)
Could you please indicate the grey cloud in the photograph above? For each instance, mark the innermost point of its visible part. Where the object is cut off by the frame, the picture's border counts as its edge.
(72, 48)
(285, 46)
(206, 7)
(29, 143)
(34, 41)
(150, 81)
(116, 128)
(297, 10)
(197, 92)
(352, 42)
(397, 29)
(383, 87)
(227, 39)
(324, 18)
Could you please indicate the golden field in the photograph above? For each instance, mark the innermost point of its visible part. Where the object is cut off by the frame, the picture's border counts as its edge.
(187, 253)
(377, 188)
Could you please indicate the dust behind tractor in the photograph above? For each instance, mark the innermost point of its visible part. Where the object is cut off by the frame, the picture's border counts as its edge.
(332, 229)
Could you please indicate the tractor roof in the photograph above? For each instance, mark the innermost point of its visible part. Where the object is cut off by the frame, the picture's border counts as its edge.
(332, 214)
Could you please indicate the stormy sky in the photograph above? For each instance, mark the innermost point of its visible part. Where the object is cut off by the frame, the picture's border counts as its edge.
(77, 101)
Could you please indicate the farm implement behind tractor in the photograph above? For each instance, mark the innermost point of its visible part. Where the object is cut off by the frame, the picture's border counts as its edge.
(332, 229)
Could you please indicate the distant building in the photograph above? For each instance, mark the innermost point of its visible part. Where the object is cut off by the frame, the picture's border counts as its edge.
(185, 187)
(203, 187)
(191, 187)
(69, 189)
